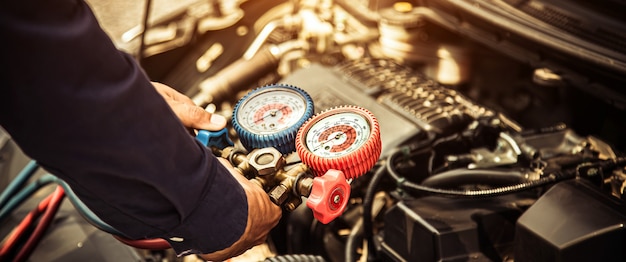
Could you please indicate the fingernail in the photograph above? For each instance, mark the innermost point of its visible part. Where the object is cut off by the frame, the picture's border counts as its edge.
(218, 119)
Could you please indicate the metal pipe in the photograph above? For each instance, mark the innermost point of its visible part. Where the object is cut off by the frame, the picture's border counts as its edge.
(242, 73)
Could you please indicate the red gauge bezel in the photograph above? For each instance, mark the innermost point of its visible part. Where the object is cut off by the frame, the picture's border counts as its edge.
(353, 164)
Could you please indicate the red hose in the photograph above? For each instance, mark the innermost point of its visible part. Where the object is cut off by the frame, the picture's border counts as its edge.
(20, 229)
(42, 226)
(151, 244)
(47, 209)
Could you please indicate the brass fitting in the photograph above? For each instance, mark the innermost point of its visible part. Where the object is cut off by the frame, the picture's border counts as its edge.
(266, 161)
(266, 167)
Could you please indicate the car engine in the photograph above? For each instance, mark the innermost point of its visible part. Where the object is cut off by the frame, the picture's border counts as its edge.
(503, 122)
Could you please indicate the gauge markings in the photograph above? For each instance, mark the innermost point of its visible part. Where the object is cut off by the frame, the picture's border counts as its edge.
(338, 135)
(272, 111)
(276, 112)
(337, 138)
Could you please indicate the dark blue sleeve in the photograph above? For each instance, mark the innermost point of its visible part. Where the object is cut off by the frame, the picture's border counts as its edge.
(88, 114)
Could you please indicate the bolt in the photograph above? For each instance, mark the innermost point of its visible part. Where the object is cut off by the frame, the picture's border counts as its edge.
(336, 199)
(592, 171)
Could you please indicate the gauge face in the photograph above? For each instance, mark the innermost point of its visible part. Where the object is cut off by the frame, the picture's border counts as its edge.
(337, 135)
(345, 138)
(271, 111)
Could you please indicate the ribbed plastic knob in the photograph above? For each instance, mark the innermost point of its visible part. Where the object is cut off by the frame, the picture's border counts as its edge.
(329, 196)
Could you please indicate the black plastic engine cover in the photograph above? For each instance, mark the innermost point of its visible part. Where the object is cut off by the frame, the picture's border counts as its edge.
(445, 229)
(573, 221)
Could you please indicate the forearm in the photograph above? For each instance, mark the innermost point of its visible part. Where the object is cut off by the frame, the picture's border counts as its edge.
(88, 114)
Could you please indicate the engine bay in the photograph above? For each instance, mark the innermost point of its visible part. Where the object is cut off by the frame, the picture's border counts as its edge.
(499, 119)
(502, 122)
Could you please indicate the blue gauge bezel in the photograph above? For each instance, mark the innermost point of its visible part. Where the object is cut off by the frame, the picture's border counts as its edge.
(283, 140)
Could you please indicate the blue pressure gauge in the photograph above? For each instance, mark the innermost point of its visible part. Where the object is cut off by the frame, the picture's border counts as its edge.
(270, 116)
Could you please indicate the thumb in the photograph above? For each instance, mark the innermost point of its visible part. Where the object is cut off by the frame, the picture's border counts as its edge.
(195, 117)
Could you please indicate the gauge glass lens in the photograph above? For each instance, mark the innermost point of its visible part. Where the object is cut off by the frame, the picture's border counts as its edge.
(338, 135)
(271, 111)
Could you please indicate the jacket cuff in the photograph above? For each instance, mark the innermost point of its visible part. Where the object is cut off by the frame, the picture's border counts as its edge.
(217, 222)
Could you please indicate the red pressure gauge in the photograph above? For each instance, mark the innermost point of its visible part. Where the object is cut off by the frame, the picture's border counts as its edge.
(338, 144)
(345, 138)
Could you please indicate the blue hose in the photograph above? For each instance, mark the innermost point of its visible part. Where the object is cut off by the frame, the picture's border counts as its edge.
(84, 211)
(10, 198)
(24, 194)
(18, 182)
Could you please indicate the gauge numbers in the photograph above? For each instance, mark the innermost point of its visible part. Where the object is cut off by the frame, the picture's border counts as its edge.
(272, 111)
(338, 135)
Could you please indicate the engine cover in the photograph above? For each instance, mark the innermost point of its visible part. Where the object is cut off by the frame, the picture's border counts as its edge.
(573, 221)
(446, 229)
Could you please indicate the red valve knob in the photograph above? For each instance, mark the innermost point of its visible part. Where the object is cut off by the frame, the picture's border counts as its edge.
(329, 196)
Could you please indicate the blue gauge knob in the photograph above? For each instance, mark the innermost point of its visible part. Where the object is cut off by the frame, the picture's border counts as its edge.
(270, 116)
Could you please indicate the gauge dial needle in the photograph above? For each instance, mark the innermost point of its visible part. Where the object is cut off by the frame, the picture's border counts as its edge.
(336, 137)
(272, 113)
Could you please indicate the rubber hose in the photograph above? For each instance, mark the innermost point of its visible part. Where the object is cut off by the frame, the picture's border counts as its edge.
(93, 219)
(84, 211)
(44, 223)
(295, 258)
(457, 177)
(149, 244)
(236, 77)
(18, 182)
(355, 233)
(568, 174)
(405, 184)
(13, 239)
(24, 194)
(368, 202)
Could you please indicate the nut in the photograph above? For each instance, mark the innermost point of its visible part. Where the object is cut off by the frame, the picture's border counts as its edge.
(266, 160)
(279, 194)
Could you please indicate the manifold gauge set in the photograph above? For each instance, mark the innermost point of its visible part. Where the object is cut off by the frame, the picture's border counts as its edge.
(334, 146)
(281, 116)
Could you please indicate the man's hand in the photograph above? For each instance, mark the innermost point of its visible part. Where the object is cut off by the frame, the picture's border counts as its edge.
(190, 114)
(263, 215)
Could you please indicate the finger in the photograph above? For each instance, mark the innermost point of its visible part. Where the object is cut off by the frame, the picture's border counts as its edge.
(196, 117)
(164, 90)
(171, 93)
